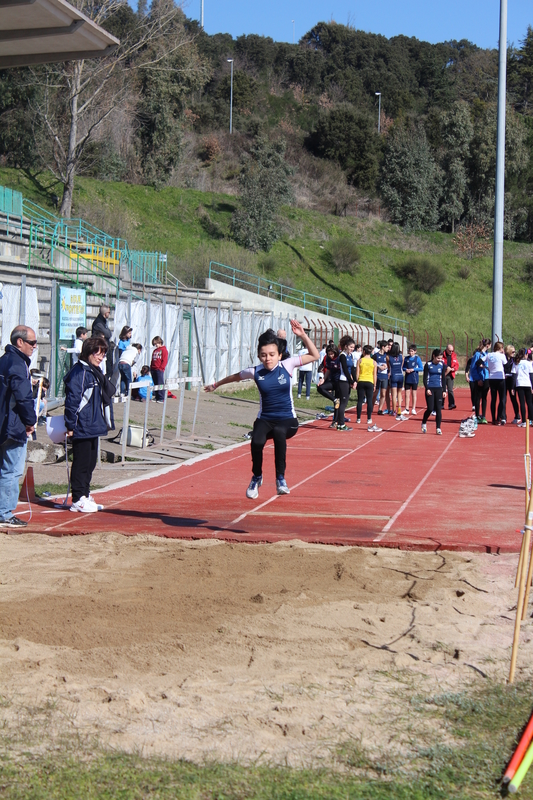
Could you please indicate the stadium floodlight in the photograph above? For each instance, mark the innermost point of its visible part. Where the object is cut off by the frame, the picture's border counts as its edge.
(378, 95)
(497, 282)
(230, 61)
(293, 31)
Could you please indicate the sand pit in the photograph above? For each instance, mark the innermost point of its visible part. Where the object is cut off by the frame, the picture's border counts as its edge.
(279, 653)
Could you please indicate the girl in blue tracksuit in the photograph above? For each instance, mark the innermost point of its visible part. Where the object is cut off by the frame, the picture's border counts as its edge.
(412, 366)
(395, 363)
(479, 376)
(435, 386)
(277, 418)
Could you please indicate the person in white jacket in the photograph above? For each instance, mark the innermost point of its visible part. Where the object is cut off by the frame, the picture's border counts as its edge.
(125, 366)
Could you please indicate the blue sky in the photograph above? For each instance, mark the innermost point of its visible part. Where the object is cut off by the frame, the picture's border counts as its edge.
(430, 20)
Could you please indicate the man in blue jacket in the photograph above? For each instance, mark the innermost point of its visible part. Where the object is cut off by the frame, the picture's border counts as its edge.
(17, 415)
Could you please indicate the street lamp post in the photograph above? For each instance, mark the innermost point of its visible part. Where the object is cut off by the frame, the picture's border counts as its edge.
(293, 31)
(378, 95)
(230, 61)
(497, 282)
(202, 14)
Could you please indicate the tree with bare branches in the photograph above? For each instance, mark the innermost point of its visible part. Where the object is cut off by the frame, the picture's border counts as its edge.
(76, 99)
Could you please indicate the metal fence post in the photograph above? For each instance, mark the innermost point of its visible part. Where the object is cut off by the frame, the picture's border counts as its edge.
(22, 305)
(217, 345)
(53, 337)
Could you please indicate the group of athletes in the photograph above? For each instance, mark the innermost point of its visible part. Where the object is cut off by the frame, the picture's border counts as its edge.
(381, 375)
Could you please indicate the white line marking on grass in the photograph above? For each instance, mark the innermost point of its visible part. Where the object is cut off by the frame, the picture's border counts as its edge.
(415, 491)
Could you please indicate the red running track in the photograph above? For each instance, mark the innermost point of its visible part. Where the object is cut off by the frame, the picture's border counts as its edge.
(399, 488)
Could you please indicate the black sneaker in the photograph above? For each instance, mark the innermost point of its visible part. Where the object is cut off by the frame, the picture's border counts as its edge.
(13, 522)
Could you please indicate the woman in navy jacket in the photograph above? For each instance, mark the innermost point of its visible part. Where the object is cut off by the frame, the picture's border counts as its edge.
(435, 385)
(88, 415)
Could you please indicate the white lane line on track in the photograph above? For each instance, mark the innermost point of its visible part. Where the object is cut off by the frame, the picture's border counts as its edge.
(413, 494)
(165, 485)
(310, 477)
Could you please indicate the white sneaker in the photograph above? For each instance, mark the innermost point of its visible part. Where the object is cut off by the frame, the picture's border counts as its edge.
(252, 491)
(439, 432)
(424, 428)
(84, 505)
(299, 396)
(375, 429)
(99, 507)
(433, 413)
(414, 411)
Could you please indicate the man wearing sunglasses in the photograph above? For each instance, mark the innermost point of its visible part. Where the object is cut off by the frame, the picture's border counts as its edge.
(17, 421)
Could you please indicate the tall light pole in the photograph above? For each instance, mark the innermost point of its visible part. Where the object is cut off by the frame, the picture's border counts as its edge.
(230, 61)
(202, 14)
(378, 95)
(293, 31)
(497, 283)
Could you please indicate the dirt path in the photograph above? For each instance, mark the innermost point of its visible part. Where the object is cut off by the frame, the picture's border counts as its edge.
(280, 653)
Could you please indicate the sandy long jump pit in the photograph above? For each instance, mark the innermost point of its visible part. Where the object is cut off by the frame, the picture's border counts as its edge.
(275, 652)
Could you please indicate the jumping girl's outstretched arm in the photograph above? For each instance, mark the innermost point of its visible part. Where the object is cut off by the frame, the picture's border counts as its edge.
(298, 330)
(230, 379)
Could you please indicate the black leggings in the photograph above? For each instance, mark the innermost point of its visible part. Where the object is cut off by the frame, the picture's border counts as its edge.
(497, 390)
(84, 456)
(365, 389)
(480, 397)
(511, 392)
(326, 390)
(525, 398)
(278, 429)
(434, 403)
(342, 391)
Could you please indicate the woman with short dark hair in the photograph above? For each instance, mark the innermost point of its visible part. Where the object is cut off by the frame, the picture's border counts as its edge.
(88, 415)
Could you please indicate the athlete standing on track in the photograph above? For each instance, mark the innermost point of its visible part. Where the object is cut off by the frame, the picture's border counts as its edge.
(277, 418)
(412, 366)
(435, 384)
(395, 362)
(345, 381)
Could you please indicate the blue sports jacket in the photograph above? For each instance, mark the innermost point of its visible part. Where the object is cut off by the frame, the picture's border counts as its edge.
(84, 412)
(478, 369)
(16, 399)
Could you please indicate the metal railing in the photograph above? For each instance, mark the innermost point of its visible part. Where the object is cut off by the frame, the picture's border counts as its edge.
(107, 253)
(311, 302)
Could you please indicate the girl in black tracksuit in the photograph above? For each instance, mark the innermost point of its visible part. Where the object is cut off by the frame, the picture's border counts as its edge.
(435, 386)
(344, 382)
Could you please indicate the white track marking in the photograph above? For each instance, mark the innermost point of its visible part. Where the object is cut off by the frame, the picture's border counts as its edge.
(310, 477)
(163, 486)
(413, 494)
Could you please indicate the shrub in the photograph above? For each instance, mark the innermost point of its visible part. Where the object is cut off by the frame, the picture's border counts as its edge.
(464, 272)
(528, 271)
(343, 255)
(414, 301)
(423, 274)
(268, 263)
(211, 149)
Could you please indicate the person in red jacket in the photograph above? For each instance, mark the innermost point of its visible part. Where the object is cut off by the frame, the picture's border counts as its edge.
(158, 365)
(452, 365)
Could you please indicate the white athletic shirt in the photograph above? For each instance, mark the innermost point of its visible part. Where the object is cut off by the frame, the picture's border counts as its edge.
(76, 350)
(522, 371)
(495, 362)
(129, 356)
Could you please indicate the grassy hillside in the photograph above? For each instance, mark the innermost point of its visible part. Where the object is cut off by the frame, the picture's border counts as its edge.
(193, 227)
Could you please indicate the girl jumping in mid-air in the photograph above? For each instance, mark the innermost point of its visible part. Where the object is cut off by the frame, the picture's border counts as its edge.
(277, 418)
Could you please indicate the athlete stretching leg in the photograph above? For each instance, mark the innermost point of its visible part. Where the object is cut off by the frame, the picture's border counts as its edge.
(277, 418)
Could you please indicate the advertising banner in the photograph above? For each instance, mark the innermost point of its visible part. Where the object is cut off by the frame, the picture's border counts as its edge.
(72, 311)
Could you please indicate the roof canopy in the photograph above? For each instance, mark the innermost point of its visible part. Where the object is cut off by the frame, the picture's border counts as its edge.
(45, 31)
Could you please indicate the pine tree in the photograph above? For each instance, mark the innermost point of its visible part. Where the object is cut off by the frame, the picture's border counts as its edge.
(410, 183)
(264, 182)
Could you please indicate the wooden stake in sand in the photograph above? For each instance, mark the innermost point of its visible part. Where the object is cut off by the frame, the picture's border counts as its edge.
(527, 464)
(528, 527)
